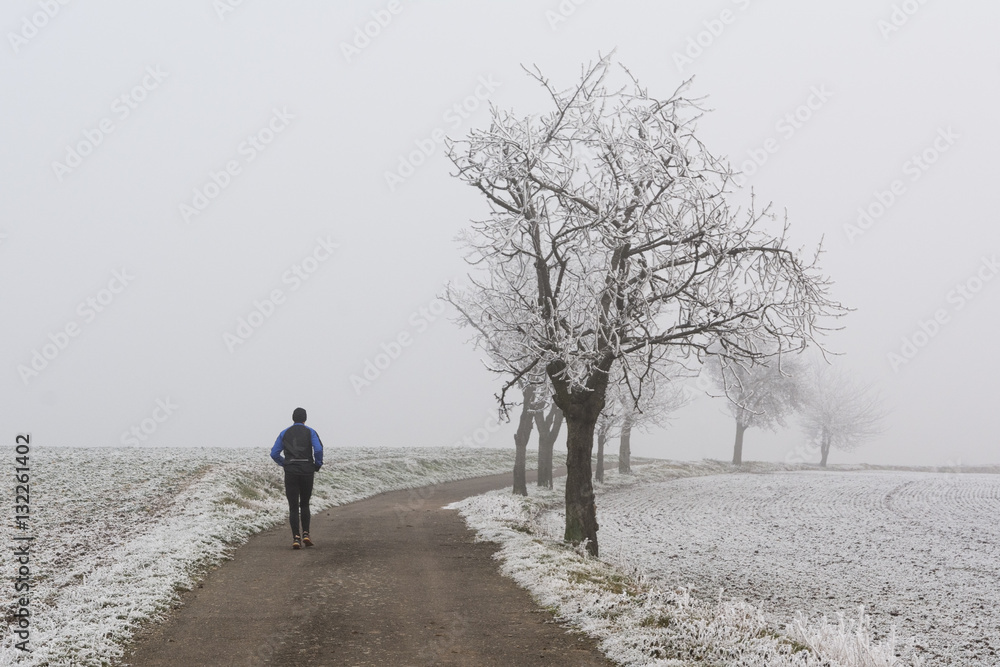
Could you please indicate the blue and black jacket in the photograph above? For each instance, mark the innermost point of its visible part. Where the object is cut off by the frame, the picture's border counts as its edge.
(301, 447)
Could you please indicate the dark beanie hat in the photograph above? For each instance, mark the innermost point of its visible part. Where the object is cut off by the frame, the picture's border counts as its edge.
(299, 415)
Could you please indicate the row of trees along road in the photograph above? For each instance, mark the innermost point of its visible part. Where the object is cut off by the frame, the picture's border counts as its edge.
(610, 247)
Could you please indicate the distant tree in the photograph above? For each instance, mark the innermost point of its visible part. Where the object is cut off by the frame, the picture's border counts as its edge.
(839, 411)
(762, 394)
(610, 419)
(521, 437)
(548, 423)
(624, 411)
(500, 345)
(610, 236)
(666, 398)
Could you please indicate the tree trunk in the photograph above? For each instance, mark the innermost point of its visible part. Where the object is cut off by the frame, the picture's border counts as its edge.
(542, 479)
(581, 408)
(625, 449)
(825, 451)
(581, 512)
(602, 437)
(521, 437)
(738, 447)
(548, 433)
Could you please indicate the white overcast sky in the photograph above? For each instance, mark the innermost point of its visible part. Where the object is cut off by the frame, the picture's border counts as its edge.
(887, 81)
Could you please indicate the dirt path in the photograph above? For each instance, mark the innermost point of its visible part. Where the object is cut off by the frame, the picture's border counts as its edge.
(392, 580)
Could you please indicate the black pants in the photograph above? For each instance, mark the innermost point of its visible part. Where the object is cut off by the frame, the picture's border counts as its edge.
(298, 488)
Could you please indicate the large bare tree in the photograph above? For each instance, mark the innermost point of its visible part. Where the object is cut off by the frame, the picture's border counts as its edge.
(762, 394)
(839, 411)
(609, 238)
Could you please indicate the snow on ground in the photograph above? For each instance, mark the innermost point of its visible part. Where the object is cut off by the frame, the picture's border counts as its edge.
(119, 531)
(919, 551)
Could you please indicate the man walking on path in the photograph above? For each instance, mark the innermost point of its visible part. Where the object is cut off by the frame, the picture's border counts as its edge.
(303, 456)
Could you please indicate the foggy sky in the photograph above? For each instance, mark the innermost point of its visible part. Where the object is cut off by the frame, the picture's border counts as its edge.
(296, 120)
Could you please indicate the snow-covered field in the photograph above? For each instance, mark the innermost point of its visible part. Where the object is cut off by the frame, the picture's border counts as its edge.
(119, 531)
(919, 551)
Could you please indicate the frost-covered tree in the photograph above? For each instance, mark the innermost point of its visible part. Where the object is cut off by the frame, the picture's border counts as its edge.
(665, 399)
(548, 423)
(609, 420)
(761, 394)
(839, 411)
(618, 414)
(521, 437)
(624, 411)
(501, 345)
(610, 237)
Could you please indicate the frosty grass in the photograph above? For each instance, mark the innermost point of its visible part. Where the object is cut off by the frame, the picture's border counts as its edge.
(767, 566)
(116, 542)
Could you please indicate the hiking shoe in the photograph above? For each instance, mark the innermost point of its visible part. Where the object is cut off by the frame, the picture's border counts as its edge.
(296, 542)
(305, 540)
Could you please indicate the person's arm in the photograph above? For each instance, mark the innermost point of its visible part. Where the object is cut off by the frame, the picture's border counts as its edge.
(317, 449)
(276, 450)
